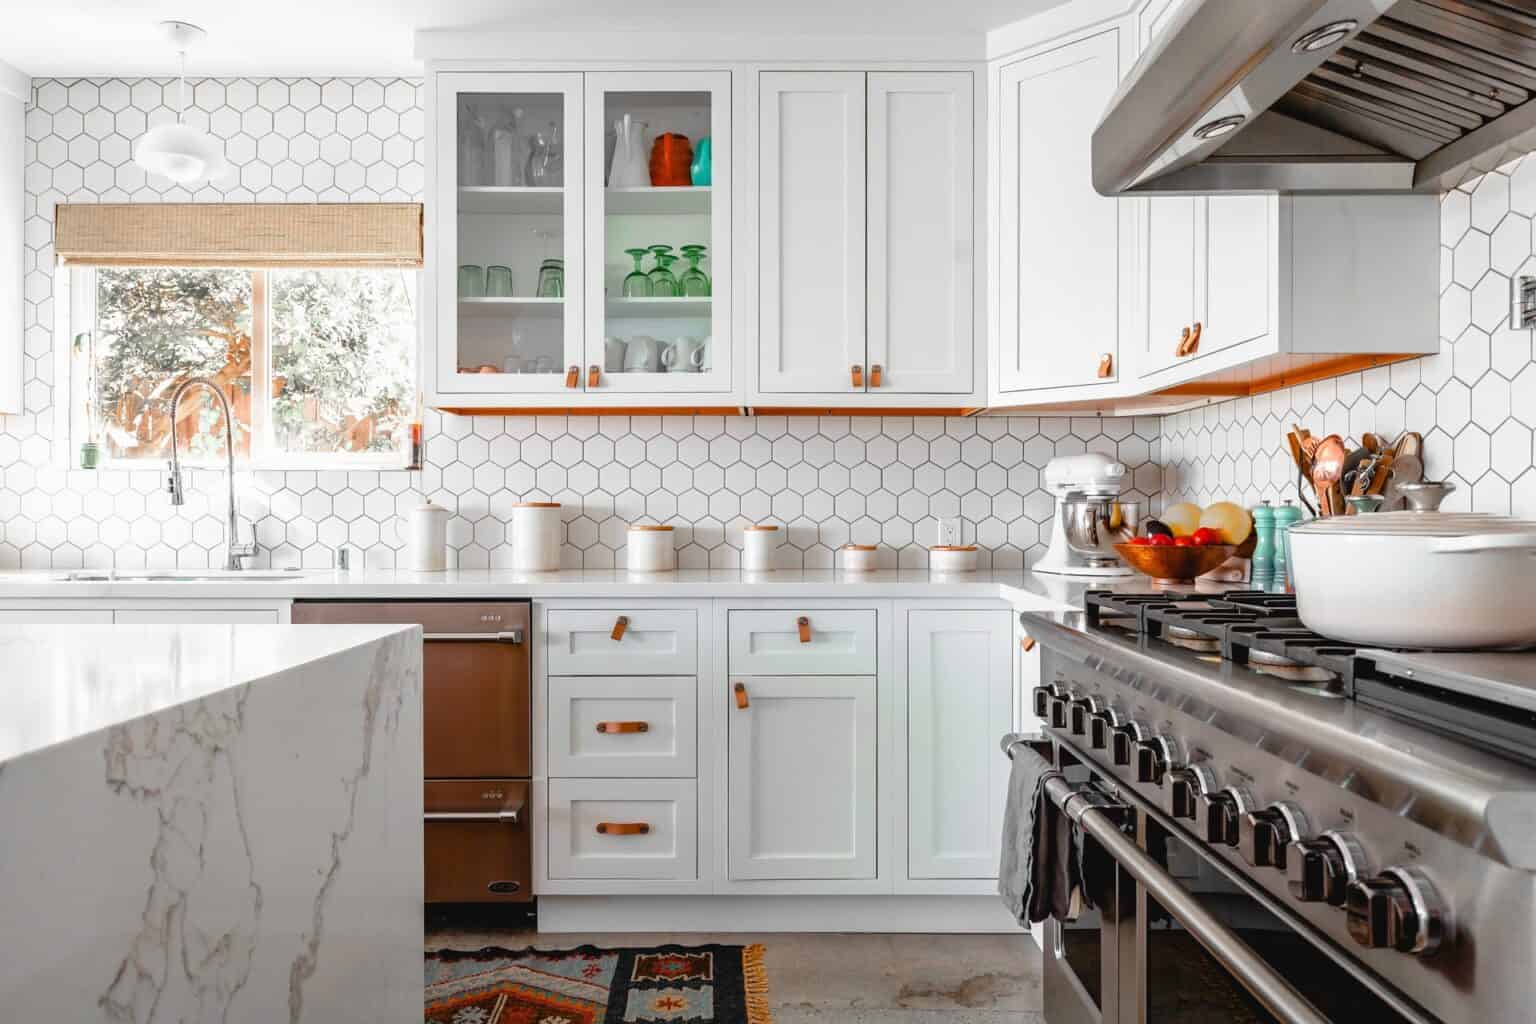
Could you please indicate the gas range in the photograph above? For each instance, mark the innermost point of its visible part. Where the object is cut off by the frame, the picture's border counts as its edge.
(1380, 806)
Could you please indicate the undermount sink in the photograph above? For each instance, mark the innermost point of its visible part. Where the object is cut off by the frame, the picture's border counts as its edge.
(179, 575)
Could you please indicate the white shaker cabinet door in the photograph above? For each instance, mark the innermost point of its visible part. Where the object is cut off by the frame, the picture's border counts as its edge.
(1062, 247)
(921, 232)
(1241, 267)
(811, 271)
(1171, 228)
(959, 704)
(802, 777)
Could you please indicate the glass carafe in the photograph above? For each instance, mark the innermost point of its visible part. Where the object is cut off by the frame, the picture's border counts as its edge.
(631, 168)
(636, 284)
(509, 152)
(693, 282)
(474, 143)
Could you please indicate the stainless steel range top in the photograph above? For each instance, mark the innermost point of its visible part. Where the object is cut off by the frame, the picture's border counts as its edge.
(1398, 847)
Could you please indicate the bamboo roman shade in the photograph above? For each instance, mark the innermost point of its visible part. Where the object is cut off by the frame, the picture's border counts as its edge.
(255, 235)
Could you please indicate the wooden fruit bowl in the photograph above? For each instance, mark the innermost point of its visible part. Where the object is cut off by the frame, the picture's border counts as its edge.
(1171, 564)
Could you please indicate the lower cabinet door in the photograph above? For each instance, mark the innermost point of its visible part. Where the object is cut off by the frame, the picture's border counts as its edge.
(802, 777)
(959, 704)
(623, 828)
(477, 847)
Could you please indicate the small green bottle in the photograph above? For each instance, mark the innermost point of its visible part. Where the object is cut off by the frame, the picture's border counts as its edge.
(1264, 546)
(1286, 516)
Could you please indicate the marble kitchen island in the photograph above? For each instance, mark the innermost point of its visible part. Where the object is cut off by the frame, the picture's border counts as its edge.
(210, 822)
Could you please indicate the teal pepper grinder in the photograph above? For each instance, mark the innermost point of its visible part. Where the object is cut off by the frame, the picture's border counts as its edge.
(1264, 545)
(699, 170)
(1286, 516)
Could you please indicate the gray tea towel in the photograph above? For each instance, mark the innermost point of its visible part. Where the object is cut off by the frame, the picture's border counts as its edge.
(1023, 842)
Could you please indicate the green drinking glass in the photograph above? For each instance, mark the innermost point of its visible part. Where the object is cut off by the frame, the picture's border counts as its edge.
(694, 283)
(636, 284)
(663, 284)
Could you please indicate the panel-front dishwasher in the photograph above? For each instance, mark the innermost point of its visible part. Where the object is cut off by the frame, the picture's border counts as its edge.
(477, 733)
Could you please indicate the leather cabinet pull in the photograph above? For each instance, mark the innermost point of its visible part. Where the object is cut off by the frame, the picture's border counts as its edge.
(858, 375)
(742, 703)
(1106, 365)
(620, 624)
(592, 375)
(1194, 341)
(623, 828)
(874, 375)
(609, 728)
(803, 625)
(573, 377)
(1026, 643)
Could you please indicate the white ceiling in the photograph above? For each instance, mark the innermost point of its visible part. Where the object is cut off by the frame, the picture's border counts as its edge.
(276, 37)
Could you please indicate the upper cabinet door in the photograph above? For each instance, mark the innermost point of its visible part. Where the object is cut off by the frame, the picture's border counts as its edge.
(921, 232)
(658, 218)
(508, 267)
(811, 273)
(1171, 228)
(1241, 269)
(1061, 282)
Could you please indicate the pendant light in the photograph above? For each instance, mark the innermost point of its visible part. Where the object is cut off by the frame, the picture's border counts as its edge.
(178, 151)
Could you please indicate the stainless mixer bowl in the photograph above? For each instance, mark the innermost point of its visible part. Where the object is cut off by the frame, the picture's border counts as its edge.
(1094, 526)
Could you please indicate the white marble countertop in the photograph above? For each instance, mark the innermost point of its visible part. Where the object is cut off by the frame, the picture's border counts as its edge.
(62, 683)
(1027, 589)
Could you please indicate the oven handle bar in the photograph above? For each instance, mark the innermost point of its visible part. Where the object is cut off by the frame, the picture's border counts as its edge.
(1262, 981)
(508, 816)
(1078, 800)
(506, 636)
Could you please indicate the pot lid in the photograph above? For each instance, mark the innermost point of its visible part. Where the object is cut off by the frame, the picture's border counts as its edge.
(1416, 524)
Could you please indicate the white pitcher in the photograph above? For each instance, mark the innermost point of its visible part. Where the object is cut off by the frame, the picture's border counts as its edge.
(631, 164)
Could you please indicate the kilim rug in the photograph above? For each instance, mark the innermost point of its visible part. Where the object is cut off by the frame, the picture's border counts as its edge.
(587, 985)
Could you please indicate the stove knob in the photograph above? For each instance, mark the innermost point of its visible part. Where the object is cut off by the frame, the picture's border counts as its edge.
(1043, 695)
(1101, 725)
(1217, 814)
(1058, 710)
(1078, 713)
(1122, 742)
(1398, 909)
(1264, 835)
(1320, 870)
(1154, 757)
(1185, 788)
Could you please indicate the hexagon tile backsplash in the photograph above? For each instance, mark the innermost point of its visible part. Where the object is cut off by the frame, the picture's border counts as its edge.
(1474, 402)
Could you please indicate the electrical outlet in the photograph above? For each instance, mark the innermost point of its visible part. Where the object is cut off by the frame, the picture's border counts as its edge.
(946, 529)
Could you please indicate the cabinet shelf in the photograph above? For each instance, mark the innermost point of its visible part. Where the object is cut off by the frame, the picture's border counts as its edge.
(514, 306)
(510, 199)
(631, 309)
(663, 200)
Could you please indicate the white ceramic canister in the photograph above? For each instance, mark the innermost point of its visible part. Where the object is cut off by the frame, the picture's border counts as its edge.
(860, 557)
(536, 536)
(758, 543)
(428, 549)
(952, 558)
(651, 548)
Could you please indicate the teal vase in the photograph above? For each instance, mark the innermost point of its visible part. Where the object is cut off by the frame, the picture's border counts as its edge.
(699, 169)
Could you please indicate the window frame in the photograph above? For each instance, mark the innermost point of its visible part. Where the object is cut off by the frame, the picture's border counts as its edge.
(75, 304)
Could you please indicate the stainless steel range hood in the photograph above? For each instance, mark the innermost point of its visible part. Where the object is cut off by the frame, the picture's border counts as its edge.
(1323, 96)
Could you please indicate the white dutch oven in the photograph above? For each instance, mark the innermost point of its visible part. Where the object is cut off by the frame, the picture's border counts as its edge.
(1417, 579)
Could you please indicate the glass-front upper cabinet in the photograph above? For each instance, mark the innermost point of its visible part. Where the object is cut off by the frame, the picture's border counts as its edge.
(510, 278)
(658, 229)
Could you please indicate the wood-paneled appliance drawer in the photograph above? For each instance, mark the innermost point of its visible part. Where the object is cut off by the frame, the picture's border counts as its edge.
(478, 848)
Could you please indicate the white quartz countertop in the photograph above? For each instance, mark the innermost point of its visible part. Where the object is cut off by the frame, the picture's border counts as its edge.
(1025, 589)
(61, 683)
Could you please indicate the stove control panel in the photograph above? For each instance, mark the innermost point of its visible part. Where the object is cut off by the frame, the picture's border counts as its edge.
(1266, 834)
(1397, 909)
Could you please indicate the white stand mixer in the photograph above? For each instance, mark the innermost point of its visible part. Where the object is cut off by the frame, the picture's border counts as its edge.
(1090, 518)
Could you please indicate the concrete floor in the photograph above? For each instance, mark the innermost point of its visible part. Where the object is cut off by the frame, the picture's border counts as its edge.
(840, 979)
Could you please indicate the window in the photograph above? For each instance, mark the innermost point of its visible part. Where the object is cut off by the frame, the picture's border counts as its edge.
(318, 365)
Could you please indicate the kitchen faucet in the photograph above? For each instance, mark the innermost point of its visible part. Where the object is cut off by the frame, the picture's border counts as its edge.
(233, 550)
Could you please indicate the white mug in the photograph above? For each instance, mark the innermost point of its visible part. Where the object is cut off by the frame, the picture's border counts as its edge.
(705, 360)
(642, 355)
(685, 355)
(613, 355)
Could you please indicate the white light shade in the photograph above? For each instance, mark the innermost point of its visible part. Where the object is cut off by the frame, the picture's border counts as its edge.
(181, 153)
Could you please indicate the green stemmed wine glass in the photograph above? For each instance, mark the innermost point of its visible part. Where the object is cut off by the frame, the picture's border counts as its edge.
(663, 284)
(694, 282)
(636, 284)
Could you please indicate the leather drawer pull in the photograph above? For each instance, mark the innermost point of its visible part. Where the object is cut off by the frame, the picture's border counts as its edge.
(742, 703)
(1106, 365)
(1026, 643)
(858, 375)
(874, 375)
(803, 624)
(620, 624)
(623, 828)
(612, 727)
(1189, 342)
(573, 377)
(592, 375)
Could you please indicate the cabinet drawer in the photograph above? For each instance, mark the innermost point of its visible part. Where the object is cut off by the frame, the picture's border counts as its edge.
(477, 847)
(623, 828)
(625, 726)
(653, 641)
(835, 642)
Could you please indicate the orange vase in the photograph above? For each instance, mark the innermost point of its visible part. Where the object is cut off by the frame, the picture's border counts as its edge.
(671, 156)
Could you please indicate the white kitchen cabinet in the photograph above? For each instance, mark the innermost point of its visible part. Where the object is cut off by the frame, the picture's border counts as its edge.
(793, 641)
(621, 641)
(1065, 257)
(867, 236)
(623, 726)
(959, 703)
(802, 798)
(811, 269)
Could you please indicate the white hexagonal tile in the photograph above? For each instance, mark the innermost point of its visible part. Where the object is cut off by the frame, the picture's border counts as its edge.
(1511, 244)
(1490, 302)
(1455, 310)
(1472, 455)
(1491, 494)
(1490, 201)
(1471, 258)
(1511, 449)
(1490, 401)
